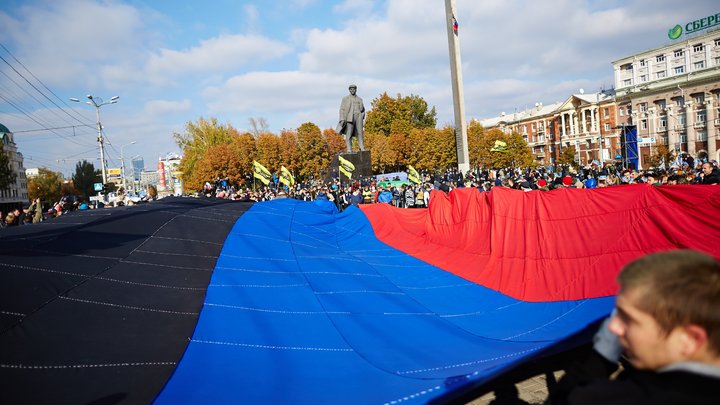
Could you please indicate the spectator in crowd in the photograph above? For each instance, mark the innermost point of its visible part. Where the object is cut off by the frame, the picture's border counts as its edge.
(666, 322)
(710, 174)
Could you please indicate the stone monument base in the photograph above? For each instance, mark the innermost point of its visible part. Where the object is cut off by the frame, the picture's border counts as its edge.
(361, 160)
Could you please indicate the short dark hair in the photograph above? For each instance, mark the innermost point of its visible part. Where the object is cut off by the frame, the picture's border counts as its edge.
(678, 288)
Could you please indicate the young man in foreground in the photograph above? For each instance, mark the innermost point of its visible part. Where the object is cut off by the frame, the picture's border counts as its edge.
(667, 324)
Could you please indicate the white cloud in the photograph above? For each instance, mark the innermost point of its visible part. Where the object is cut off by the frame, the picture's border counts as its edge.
(158, 107)
(224, 53)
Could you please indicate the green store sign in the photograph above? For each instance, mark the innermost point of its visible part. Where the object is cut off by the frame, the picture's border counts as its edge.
(694, 26)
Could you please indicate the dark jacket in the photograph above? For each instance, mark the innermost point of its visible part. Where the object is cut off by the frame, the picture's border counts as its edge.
(587, 384)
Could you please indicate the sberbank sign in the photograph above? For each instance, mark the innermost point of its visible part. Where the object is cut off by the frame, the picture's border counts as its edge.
(694, 26)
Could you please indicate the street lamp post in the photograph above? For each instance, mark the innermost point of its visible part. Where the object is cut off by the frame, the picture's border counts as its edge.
(98, 102)
(122, 164)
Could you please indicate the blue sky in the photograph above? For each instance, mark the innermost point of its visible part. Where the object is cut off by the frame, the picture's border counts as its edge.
(290, 61)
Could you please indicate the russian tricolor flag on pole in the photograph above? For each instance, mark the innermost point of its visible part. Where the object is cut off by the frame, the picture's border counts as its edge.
(455, 25)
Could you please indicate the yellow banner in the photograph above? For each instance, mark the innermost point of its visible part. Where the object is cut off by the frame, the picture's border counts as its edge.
(413, 175)
(346, 167)
(286, 177)
(499, 146)
(261, 173)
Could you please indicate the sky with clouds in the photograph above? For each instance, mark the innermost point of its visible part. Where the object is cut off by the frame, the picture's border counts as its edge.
(290, 62)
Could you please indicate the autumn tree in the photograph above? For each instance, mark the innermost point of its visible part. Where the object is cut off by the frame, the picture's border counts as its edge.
(198, 138)
(46, 185)
(289, 153)
(567, 156)
(7, 175)
(662, 154)
(313, 151)
(382, 157)
(85, 177)
(258, 126)
(399, 115)
(220, 162)
(515, 154)
(335, 141)
(431, 148)
(268, 151)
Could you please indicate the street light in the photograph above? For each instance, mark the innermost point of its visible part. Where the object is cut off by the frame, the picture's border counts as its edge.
(98, 102)
(122, 164)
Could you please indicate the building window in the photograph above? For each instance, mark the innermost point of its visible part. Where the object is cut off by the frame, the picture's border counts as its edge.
(607, 127)
(643, 62)
(661, 74)
(717, 41)
(679, 101)
(629, 110)
(660, 58)
(678, 53)
(699, 98)
(679, 70)
(663, 123)
(700, 116)
(643, 124)
(643, 78)
(681, 120)
(627, 82)
(698, 48)
(642, 107)
(660, 104)
(627, 67)
(702, 136)
(699, 65)
(606, 112)
(717, 61)
(621, 111)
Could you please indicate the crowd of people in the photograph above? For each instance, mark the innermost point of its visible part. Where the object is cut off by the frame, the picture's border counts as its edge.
(404, 194)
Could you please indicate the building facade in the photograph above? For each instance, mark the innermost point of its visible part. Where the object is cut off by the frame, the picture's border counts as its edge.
(17, 194)
(671, 95)
(586, 122)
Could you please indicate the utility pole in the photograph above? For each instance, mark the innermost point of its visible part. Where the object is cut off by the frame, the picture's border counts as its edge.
(457, 86)
(97, 102)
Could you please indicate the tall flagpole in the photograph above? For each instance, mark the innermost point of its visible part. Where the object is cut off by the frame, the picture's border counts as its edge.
(457, 86)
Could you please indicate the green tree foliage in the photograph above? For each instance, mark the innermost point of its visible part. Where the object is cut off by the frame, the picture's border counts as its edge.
(399, 115)
(518, 154)
(568, 156)
(7, 175)
(46, 185)
(85, 177)
(198, 138)
(313, 151)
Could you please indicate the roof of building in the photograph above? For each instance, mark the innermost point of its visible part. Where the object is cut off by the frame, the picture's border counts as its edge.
(4, 129)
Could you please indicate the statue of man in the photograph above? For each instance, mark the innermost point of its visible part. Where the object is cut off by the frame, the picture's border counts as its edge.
(352, 115)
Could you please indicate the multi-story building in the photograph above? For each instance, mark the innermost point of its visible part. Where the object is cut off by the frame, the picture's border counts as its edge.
(587, 122)
(671, 95)
(17, 194)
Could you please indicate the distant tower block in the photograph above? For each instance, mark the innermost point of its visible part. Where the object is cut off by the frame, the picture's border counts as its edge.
(457, 87)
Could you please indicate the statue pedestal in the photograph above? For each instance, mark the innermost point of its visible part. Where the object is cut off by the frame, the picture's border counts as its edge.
(361, 160)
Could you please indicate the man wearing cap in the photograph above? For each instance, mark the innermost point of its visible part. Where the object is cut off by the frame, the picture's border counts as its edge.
(352, 115)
